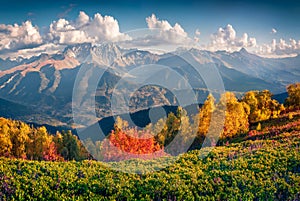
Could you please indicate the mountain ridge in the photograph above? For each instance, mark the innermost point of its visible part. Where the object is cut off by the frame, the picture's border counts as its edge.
(47, 81)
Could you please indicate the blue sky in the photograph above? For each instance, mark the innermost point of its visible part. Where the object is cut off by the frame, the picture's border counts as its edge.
(256, 18)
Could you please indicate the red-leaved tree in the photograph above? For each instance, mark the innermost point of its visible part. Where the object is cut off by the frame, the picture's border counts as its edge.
(130, 143)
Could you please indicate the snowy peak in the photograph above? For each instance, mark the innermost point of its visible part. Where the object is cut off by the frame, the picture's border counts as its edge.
(136, 57)
(101, 54)
(79, 51)
(243, 51)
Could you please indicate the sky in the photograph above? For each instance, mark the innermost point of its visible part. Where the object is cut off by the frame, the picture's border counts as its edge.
(266, 27)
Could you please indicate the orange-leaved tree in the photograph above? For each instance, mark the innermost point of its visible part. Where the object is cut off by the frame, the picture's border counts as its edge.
(126, 143)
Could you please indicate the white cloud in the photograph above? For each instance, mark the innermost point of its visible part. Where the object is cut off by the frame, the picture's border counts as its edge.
(226, 39)
(273, 31)
(25, 39)
(86, 29)
(280, 48)
(82, 19)
(160, 36)
(165, 32)
(14, 37)
(196, 37)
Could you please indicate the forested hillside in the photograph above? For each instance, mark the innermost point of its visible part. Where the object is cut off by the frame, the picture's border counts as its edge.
(256, 158)
(266, 167)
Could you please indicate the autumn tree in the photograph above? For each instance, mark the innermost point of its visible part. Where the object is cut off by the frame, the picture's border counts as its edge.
(120, 124)
(39, 141)
(130, 143)
(225, 119)
(5, 140)
(19, 138)
(202, 122)
(50, 153)
(293, 100)
(262, 106)
(205, 115)
(236, 115)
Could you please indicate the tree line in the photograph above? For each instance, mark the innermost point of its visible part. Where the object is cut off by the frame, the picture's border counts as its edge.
(20, 140)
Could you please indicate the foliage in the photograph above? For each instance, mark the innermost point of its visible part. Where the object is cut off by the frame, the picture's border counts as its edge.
(130, 143)
(262, 164)
(229, 111)
(250, 170)
(5, 140)
(262, 106)
(293, 100)
(205, 115)
(258, 128)
(70, 147)
(236, 115)
(169, 130)
(19, 140)
(179, 126)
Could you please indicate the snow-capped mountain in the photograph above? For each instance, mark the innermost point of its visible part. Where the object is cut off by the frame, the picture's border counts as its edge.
(46, 81)
(103, 54)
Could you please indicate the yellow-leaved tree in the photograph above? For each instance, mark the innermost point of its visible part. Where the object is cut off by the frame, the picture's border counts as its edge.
(236, 115)
(5, 141)
(293, 100)
(262, 106)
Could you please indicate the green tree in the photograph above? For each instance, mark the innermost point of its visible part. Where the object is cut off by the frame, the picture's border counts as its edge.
(70, 147)
(170, 130)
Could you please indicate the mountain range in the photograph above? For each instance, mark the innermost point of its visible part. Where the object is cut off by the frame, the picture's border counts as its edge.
(40, 89)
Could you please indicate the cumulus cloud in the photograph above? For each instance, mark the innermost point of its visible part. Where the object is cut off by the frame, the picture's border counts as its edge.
(160, 34)
(175, 34)
(280, 48)
(273, 31)
(85, 29)
(14, 37)
(197, 34)
(226, 39)
(25, 39)
(165, 33)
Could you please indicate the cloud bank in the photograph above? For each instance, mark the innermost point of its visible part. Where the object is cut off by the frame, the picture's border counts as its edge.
(25, 39)
(14, 37)
(226, 39)
(85, 29)
(280, 48)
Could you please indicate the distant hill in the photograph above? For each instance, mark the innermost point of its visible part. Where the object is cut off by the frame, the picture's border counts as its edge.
(9, 109)
(140, 119)
(28, 114)
(280, 97)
